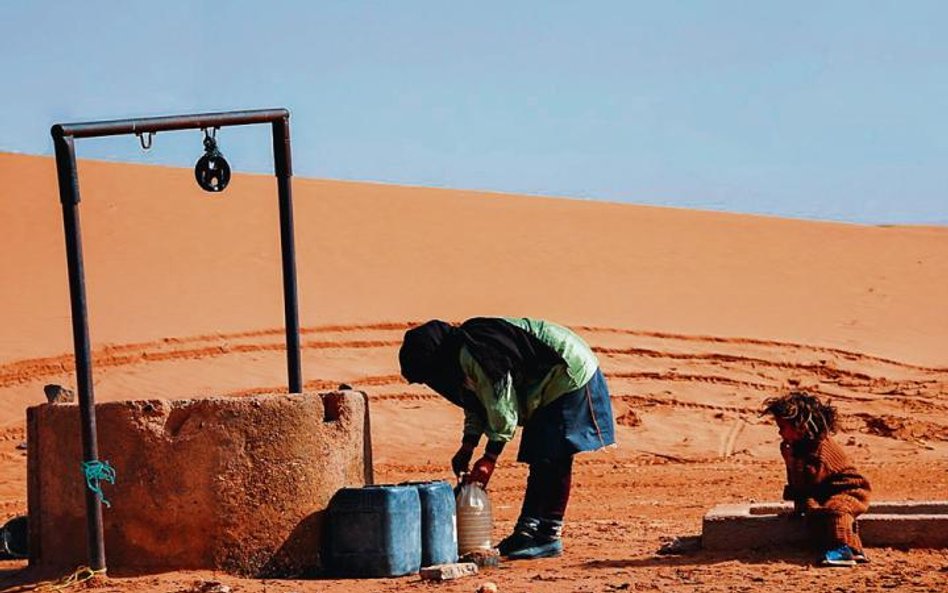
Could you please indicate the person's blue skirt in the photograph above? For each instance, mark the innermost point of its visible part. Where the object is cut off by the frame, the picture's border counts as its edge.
(578, 421)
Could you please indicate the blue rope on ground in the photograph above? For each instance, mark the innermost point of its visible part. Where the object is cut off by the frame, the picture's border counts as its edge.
(95, 471)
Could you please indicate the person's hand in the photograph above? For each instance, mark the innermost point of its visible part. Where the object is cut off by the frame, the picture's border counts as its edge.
(462, 459)
(482, 470)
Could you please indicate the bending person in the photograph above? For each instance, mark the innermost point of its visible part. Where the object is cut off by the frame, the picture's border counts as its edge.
(506, 372)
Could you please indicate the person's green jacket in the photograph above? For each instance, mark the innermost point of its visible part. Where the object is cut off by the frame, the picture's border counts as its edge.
(505, 408)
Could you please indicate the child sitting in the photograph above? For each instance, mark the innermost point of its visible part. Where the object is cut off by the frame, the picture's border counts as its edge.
(822, 482)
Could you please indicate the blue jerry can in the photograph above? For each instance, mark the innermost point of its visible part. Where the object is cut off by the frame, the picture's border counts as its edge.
(375, 531)
(439, 531)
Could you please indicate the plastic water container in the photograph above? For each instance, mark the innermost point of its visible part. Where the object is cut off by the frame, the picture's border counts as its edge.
(375, 531)
(475, 522)
(14, 538)
(439, 532)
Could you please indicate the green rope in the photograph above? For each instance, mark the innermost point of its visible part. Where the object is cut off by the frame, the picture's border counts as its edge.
(95, 471)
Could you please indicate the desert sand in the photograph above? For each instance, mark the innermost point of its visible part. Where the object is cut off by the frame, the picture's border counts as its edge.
(696, 317)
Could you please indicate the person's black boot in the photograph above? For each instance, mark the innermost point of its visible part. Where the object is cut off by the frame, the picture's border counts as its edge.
(523, 536)
(545, 542)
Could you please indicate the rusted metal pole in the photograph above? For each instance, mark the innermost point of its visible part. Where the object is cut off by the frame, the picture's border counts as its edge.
(283, 168)
(69, 198)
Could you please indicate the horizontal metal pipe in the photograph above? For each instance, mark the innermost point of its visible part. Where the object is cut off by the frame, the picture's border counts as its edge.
(171, 122)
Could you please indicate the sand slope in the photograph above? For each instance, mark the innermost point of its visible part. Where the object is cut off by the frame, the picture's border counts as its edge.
(166, 259)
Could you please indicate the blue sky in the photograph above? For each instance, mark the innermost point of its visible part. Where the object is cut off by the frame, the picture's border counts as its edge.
(827, 110)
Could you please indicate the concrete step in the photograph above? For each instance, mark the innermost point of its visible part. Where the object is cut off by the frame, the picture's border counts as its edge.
(900, 524)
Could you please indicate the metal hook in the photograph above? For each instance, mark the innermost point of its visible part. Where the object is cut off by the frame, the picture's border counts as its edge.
(145, 139)
(210, 139)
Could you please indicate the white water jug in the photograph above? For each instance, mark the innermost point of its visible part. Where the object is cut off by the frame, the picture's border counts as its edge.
(474, 519)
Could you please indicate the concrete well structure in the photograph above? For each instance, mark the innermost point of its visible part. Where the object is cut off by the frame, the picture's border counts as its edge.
(239, 484)
(902, 524)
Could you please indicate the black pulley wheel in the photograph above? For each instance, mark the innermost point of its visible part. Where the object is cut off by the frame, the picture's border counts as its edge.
(212, 172)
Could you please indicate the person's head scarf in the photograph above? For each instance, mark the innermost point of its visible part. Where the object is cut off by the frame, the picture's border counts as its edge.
(430, 355)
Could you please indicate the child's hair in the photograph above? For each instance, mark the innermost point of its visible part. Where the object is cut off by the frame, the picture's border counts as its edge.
(815, 418)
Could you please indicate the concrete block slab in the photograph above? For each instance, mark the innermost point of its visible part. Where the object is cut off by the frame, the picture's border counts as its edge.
(903, 524)
(448, 572)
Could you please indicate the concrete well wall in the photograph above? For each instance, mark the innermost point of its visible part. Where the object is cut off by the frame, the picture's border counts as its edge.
(234, 484)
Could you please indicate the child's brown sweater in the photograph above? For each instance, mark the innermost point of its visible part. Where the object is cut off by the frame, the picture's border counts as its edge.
(821, 470)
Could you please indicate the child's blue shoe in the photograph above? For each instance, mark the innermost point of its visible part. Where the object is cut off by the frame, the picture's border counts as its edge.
(537, 548)
(841, 556)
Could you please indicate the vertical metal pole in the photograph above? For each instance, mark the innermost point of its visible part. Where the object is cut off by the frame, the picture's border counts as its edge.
(69, 197)
(284, 173)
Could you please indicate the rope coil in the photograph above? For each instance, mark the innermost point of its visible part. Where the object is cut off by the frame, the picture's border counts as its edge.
(80, 575)
(96, 471)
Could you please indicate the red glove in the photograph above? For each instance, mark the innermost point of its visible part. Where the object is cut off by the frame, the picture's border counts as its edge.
(482, 470)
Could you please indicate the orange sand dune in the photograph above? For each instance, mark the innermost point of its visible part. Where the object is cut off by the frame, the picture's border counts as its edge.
(695, 316)
(165, 259)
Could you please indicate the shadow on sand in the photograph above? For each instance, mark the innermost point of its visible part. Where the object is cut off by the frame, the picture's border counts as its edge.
(686, 551)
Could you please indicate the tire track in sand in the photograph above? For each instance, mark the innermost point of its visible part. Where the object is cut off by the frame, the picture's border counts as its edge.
(847, 354)
(731, 369)
(184, 348)
(210, 345)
